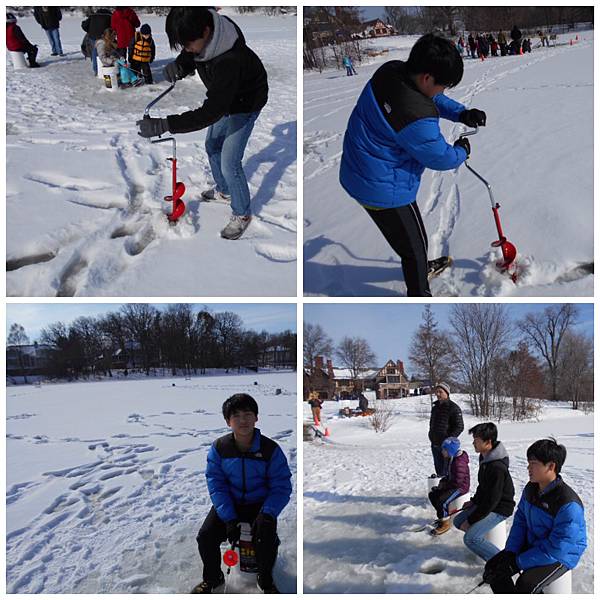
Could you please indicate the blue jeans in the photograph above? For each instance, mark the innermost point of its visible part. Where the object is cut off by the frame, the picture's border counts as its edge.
(54, 38)
(94, 58)
(225, 145)
(475, 535)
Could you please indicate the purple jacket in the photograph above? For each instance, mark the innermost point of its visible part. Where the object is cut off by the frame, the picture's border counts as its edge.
(459, 477)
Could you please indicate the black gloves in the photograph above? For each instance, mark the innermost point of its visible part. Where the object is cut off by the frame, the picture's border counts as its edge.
(151, 127)
(233, 532)
(173, 72)
(500, 566)
(463, 143)
(263, 523)
(472, 117)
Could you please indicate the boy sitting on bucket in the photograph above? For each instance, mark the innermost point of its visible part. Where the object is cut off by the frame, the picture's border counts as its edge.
(249, 481)
(455, 483)
(393, 135)
(17, 42)
(548, 533)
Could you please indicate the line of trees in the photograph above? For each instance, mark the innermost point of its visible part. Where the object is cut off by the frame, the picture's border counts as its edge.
(506, 366)
(177, 338)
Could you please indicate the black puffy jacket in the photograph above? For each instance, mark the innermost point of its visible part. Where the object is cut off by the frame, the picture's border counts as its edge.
(446, 420)
(49, 18)
(96, 24)
(236, 82)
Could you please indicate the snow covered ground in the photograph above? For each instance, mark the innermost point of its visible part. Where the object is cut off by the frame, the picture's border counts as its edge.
(85, 193)
(105, 481)
(364, 491)
(536, 152)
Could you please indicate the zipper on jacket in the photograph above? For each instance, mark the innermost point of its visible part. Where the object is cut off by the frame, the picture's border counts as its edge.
(243, 477)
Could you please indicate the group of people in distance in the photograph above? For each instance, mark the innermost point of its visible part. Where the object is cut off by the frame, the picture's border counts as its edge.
(548, 533)
(483, 45)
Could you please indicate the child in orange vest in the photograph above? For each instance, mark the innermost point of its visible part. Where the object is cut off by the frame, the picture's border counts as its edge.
(142, 52)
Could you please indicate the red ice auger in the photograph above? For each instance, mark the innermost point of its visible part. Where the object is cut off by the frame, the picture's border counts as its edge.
(509, 252)
(178, 186)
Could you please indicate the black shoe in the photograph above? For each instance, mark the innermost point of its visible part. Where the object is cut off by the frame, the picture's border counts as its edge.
(436, 266)
(206, 587)
(267, 587)
(54, 54)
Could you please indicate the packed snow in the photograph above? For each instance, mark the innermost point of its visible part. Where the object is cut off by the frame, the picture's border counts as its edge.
(365, 491)
(105, 481)
(85, 208)
(536, 152)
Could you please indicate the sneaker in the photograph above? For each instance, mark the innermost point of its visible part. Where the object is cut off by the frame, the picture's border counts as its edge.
(236, 227)
(442, 528)
(266, 588)
(208, 588)
(213, 195)
(54, 54)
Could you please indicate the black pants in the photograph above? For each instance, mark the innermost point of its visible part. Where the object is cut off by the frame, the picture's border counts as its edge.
(438, 497)
(531, 581)
(213, 533)
(144, 69)
(439, 461)
(404, 231)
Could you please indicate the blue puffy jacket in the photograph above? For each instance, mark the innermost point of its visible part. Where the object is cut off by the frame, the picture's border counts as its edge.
(393, 134)
(548, 527)
(260, 475)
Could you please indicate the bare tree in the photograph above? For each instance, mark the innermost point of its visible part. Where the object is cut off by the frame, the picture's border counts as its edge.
(17, 337)
(315, 343)
(430, 350)
(481, 334)
(576, 359)
(139, 321)
(546, 331)
(356, 355)
(383, 415)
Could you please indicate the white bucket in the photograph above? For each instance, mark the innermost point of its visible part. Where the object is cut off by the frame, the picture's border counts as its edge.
(111, 78)
(432, 482)
(18, 60)
(561, 586)
(99, 67)
(497, 536)
(457, 503)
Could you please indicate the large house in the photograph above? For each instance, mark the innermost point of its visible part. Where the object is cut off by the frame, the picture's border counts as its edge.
(29, 359)
(376, 28)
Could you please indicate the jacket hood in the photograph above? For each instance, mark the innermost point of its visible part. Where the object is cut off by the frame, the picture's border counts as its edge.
(223, 38)
(498, 452)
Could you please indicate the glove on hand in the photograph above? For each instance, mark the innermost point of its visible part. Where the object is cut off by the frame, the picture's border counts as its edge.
(173, 72)
(233, 532)
(472, 117)
(152, 127)
(263, 522)
(503, 564)
(463, 143)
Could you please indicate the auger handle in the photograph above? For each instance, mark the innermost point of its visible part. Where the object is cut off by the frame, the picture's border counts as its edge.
(169, 89)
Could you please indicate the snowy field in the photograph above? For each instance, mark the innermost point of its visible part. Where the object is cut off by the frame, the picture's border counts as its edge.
(363, 492)
(106, 488)
(85, 208)
(536, 152)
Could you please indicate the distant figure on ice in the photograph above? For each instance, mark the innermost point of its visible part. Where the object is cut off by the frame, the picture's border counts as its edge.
(472, 46)
(95, 25)
(456, 482)
(142, 52)
(106, 48)
(548, 535)
(502, 43)
(49, 18)
(17, 42)
(124, 21)
(445, 421)
(249, 481)
(236, 92)
(393, 135)
(315, 404)
(461, 45)
(515, 36)
(494, 499)
(347, 62)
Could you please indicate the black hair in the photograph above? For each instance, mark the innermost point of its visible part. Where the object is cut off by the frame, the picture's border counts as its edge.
(438, 57)
(547, 451)
(488, 432)
(239, 402)
(187, 23)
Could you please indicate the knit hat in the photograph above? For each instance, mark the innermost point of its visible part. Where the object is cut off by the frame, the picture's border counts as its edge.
(443, 385)
(145, 29)
(451, 445)
(10, 18)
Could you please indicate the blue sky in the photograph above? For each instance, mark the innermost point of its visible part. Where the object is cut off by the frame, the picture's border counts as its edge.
(271, 317)
(389, 327)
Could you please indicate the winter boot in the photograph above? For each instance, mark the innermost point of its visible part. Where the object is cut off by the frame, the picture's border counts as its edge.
(442, 528)
(436, 266)
(236, 227)
(213, 195)
(266, 587)
(207, 587)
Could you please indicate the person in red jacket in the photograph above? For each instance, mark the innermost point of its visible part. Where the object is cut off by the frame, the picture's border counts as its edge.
(124, 21)
(17, 42)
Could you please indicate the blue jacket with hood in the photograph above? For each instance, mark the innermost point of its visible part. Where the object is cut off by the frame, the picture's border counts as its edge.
(548, 527)
(260, 475)
(393, 134)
